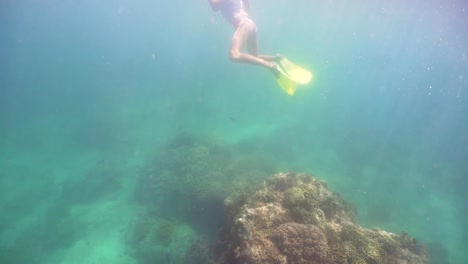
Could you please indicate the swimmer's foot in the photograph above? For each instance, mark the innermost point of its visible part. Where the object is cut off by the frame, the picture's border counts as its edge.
(274, 68)
(278, 57)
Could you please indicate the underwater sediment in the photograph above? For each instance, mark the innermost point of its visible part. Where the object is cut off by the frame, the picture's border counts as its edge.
(295, 218)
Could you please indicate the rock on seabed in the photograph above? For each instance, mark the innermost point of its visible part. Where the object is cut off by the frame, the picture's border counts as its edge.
(294, 218)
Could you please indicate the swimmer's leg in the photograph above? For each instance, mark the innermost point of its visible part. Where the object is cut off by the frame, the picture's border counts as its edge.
(242, 35)
(252, 47)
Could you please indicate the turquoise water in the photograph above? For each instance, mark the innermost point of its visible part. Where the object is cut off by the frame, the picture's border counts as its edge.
(126, 117)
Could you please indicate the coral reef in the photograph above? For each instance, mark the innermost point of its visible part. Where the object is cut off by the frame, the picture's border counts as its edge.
(301, 243)
(190, 178)
(163, 241)
(294, 218)
(199, 252)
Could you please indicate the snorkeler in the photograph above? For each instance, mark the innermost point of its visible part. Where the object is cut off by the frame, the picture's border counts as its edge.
(288, 75)
(235, 12)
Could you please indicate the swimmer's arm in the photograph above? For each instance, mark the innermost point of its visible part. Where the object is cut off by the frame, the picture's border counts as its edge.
(215, 4)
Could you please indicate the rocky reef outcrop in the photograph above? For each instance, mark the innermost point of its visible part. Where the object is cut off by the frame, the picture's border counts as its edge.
(295, 218)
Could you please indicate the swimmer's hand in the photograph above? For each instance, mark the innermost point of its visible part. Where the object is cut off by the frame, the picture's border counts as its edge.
(215, 4)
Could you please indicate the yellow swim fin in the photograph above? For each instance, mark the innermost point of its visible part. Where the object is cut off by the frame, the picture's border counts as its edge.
(285, 82)
(297, 73)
